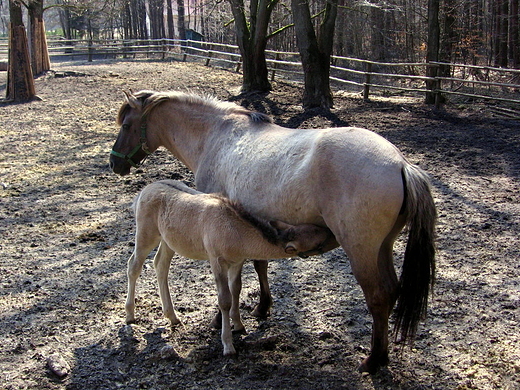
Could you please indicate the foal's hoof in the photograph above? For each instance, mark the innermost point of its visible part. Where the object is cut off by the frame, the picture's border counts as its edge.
(174, 322)
(230, 352)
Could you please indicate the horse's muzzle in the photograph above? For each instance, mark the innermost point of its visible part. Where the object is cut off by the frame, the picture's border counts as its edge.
(119, 167)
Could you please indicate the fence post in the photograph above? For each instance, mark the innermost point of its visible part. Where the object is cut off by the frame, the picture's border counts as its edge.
(275, 65)
(89, 49)
(368, 77)
(208, 59)
(163, 41)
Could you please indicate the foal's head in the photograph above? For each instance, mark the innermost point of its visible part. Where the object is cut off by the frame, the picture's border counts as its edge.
(304, 240)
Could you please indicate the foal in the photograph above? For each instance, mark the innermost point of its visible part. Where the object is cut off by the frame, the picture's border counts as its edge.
(208, 226)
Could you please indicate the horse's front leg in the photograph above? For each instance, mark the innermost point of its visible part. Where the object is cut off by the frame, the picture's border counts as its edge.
(263, 309)
(161, 262)
(143, 247)
(219, 268)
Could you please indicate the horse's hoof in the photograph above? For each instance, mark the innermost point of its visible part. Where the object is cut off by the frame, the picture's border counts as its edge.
(372, 365)
(367, 366)
(242, 331)
(216, 322)
(261, 311)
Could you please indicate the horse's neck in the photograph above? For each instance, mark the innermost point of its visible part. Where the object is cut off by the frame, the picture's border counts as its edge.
(182, 131)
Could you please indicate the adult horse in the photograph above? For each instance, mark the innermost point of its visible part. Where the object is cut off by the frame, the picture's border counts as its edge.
(348, 179)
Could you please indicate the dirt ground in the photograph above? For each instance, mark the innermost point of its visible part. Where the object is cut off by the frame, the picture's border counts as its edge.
(66, 233)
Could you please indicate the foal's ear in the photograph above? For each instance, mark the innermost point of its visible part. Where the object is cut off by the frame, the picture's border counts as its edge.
(132, 100)
(279, 225)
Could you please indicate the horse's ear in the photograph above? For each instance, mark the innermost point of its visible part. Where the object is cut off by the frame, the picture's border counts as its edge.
(132, 100)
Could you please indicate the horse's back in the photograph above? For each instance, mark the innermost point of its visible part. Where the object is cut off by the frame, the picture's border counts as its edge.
(300, 175)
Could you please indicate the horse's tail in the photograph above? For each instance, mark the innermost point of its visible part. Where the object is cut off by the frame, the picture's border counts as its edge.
(418, 271)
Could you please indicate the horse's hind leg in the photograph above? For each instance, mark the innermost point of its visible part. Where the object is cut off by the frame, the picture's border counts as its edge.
(161, 262)
(376, 275)
(263, 308)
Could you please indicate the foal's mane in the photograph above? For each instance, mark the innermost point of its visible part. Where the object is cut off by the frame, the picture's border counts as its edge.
(262, 225)
(151, 99)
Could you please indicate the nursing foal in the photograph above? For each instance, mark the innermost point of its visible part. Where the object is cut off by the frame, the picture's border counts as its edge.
(210, 227)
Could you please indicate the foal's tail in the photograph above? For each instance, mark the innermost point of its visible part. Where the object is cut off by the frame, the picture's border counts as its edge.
(418, 273)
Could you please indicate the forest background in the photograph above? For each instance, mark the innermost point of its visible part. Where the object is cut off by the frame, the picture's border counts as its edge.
(478, 32)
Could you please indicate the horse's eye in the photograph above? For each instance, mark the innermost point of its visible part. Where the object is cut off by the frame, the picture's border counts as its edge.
(126, 127)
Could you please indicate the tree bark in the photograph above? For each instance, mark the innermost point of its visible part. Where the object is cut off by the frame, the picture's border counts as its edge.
(20, 82)
(315, 52)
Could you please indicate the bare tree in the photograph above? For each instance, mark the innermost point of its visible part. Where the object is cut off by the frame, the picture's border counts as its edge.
(181, 23)
(20, 83)
(252, 40)
(514, 41)
(40, 61)
(432, 51)
(315, 51)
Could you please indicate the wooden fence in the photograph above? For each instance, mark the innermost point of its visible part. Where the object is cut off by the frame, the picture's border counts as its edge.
(387, 78)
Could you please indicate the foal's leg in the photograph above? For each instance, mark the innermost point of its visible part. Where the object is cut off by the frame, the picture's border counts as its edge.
(143, 247)
(161, 262)
(263, 309)
(220, 272)
(235, 285)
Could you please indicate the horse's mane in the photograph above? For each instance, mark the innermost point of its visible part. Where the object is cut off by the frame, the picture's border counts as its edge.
(262, 225)
(151, 100)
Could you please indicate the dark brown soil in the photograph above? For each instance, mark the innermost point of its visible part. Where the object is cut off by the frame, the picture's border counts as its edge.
(66, 232)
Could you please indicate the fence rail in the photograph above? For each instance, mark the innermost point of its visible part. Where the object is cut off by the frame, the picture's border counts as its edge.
(469, 81)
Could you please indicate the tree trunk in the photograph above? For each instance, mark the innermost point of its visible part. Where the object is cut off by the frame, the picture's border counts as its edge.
(169, 18)
(181, 21)
(38, 41)
(315, 52)
(514, 35)
(432, 52)
(20, 82)
(252, 41)
(156, 8)
(500, 32)
(139, 18)
(449, 37)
